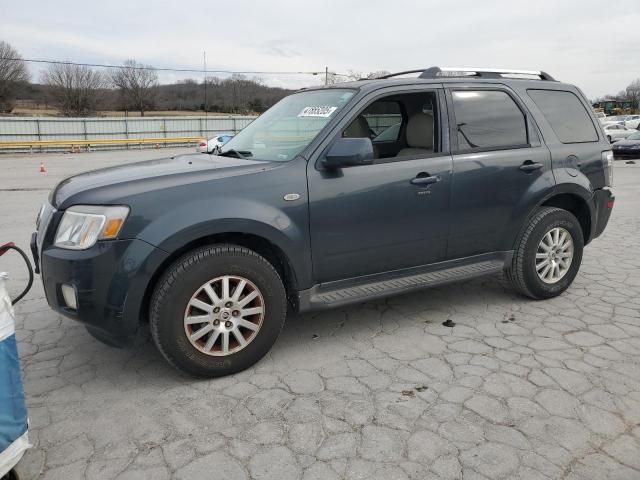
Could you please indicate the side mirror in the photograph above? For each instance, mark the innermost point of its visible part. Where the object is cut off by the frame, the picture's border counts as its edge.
(349, 152)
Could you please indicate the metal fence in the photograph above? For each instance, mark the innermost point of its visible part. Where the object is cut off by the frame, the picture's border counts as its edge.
(54, 129)
(176, 131)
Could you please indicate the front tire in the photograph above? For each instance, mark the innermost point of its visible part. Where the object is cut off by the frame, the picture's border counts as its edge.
(217, 310)
(548, 255)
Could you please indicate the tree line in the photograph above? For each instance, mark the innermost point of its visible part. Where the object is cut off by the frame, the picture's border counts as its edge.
(80, 91)
(630, 94)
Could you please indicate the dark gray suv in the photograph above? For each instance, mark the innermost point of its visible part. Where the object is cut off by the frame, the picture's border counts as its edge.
(335, 195)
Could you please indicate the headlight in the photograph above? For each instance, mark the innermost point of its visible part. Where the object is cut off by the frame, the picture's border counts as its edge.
(83, 225)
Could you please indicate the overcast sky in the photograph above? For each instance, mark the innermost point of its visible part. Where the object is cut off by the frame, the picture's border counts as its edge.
(592, 43)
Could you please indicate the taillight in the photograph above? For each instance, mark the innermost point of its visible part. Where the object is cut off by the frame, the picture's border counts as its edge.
(202, 144)
(607, 163)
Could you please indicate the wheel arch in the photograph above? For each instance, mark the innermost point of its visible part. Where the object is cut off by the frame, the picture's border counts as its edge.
(273, 253)
(575, 204)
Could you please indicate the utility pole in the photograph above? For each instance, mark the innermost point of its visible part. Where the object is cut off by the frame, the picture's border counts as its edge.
(326, 76)
(204, 69)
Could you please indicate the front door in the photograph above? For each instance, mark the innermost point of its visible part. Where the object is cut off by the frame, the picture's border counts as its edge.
(385, 216)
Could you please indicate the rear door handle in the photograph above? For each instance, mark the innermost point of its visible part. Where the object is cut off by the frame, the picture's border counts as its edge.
(425, 179)
(530, 166)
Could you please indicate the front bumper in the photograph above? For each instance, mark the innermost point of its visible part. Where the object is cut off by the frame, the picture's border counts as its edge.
(603, 200)
(110, 280)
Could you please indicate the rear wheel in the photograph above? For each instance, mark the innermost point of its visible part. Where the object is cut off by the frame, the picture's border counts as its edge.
(548, 255)
(217, 310)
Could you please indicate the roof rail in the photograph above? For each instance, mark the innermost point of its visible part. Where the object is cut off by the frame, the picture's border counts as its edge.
(482, 72)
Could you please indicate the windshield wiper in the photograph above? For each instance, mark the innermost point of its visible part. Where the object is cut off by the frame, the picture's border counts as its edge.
(243, 154)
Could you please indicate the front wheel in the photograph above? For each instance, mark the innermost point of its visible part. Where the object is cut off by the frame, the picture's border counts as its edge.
(548, 255)
(217, 310)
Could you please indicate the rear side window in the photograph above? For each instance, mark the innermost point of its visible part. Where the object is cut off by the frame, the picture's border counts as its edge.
(487, 118)
(566, 114)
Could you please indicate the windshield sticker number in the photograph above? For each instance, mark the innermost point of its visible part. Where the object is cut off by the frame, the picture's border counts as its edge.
(322, 112)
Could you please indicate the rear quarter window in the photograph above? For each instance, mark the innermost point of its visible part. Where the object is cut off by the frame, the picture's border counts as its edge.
(566, 114)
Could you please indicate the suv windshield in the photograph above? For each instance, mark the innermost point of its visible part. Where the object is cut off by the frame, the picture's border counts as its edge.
(283, 131)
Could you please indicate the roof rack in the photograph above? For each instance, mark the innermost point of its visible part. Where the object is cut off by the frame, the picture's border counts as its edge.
(482, 72)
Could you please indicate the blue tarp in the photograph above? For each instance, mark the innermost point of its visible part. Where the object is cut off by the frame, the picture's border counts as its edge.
(13, 410)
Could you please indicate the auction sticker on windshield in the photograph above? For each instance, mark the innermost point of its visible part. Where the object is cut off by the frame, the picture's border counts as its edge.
(317, 111)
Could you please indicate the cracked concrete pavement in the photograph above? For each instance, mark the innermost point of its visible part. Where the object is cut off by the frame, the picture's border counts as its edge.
(516, 389)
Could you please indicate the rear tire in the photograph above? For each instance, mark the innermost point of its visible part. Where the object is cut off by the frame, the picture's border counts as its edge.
(198, 294)
(547, 257)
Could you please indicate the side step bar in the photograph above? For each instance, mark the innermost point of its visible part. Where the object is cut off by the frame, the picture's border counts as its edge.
(331, 295)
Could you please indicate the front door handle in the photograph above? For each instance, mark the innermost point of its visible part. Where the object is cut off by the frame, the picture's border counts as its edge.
(530, 166)
(425, 179)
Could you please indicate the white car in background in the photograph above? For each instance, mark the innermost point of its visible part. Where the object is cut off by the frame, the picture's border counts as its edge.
(615, 132)
(213, 143)
(632, 121)
(619, 119)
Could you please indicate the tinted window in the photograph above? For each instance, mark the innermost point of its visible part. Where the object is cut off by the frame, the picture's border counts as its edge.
(488, 119)
(566, 114)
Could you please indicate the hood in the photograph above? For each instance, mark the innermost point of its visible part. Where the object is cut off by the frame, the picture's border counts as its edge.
(148, 175)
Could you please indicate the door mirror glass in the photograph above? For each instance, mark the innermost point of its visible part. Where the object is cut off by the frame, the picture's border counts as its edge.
(349, 152)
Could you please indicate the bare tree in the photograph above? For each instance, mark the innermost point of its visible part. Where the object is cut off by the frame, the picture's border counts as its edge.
(137, 84)
(378, 74)
(351, 75)
(633, 94)
(76, 88)
(13, 71)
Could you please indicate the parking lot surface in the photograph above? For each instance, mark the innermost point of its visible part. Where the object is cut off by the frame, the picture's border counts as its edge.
(516, 389)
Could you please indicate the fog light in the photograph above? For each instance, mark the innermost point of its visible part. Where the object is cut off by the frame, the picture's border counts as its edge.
(69, 295)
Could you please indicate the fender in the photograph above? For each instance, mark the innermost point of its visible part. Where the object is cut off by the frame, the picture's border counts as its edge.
(577, 190)
(286, 228)
(526, 204)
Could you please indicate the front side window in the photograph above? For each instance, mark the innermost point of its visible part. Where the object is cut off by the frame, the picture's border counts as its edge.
(488, 119)
(285, 130)
(384, 119)
(399, 126)
(566, 114)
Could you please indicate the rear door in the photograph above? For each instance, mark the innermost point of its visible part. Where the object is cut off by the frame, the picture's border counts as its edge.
(500, 168)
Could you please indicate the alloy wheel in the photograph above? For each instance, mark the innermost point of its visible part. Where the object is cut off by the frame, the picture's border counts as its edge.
(224, 315)
(554, 255)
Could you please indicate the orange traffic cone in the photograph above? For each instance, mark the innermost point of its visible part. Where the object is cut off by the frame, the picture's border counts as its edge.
(42, 169)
